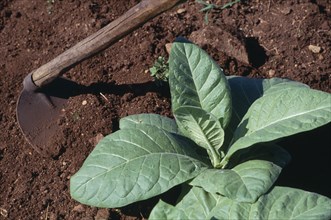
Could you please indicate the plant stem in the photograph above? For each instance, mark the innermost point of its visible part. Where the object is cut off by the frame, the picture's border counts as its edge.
(224, 162)
(214, 157)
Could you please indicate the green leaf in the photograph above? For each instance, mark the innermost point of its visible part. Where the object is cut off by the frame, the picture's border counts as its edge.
(196, 80)
(163, 210)
(268, 83)
(276, 84)
(136, 121)
(203, 128)
(132, 165)
(196, 204)
(245, 91)
(282, 111)
(268, 152)
(248, 180)
(279, 203)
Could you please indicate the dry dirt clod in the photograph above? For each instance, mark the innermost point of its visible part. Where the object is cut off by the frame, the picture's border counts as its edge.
(3, 212)
(314, 48)
(271, 73)
(79, 208)
(181, 11)
(102, 214)
(286, 10)
(226, 39)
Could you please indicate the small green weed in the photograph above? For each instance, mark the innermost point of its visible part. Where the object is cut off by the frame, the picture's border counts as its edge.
(160, 70)
(210, 6)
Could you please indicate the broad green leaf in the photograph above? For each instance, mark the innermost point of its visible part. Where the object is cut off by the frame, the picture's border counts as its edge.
(132, 165)
(244, 183)
(244, 91)
(196, 80)
(163, 210)
(196, 204)
(276, 84)
(282, 112)
(203, 128)
(135, 121)
(268, 152)
(256, 172)
(279, 203)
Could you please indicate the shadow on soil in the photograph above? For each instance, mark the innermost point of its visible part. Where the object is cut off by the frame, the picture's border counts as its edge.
(70, 88)
(311, 161)
(257, 54)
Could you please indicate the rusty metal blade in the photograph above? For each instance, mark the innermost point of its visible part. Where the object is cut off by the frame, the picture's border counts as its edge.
(38, 112)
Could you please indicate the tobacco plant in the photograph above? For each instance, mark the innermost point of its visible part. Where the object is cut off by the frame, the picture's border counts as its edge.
(221, 147)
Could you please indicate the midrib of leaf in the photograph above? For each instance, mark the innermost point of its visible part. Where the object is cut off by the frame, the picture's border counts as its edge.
(250, 211)
(214, 154)
(96, 155)
(134, 144)
(129, 119)
(230, 210)
(242, 139)
(290, 116)
(128, 161)
(273, 104)
(192, 70)
(283, 119)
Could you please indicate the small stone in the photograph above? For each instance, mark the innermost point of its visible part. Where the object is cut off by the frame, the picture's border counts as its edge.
(3, 212)
(271, 73)
(181, 10)
(79, 208)
(102, 214)
(84, 102)
(314, 48)
(286, 11)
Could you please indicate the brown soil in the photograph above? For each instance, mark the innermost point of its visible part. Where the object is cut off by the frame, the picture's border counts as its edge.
(283, 39)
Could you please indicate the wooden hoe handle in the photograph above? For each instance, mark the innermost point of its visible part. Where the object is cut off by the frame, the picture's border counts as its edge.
(105, 37)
